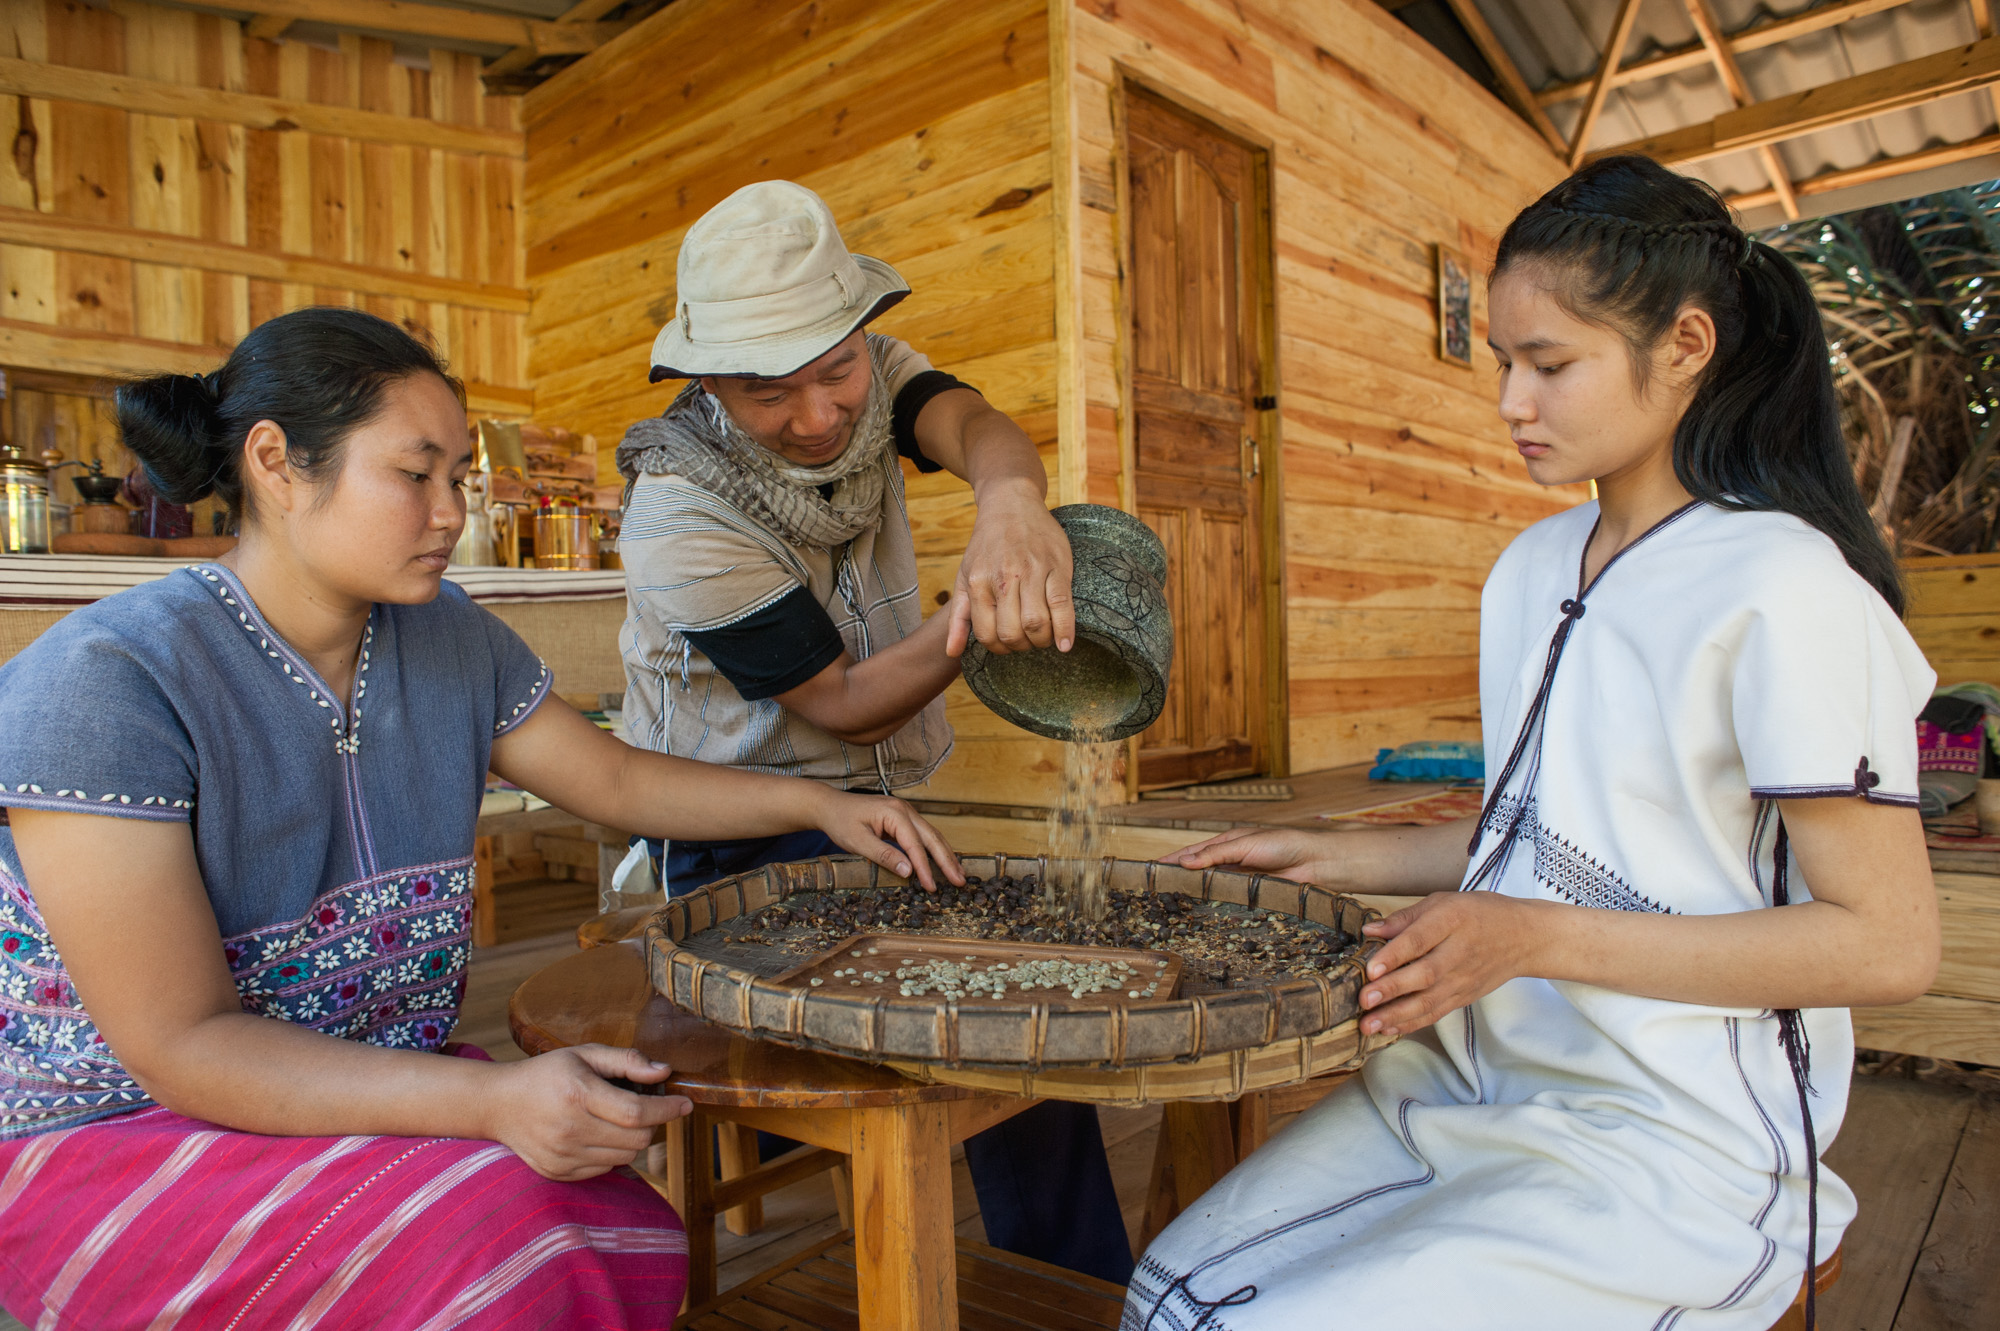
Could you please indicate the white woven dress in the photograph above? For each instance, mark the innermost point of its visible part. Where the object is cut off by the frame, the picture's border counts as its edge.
(1559, 1155)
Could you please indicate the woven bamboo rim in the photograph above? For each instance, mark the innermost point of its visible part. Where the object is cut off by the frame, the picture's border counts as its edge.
(1214, 1077)
(1215, 1045)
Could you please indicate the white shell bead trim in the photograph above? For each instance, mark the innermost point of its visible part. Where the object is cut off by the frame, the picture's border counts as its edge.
(348, 743)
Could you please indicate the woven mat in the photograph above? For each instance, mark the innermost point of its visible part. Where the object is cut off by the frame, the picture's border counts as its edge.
(1958, 829)
(1444, 806)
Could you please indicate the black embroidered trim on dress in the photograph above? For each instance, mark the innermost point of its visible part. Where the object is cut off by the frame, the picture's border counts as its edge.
(1173, 1304)
(1564, 865)
(1866, 784)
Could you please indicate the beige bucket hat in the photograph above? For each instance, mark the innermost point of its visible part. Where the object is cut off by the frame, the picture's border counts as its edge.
(765, 286)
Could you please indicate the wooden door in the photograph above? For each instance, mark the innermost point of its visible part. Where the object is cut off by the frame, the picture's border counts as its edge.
(1195, 379)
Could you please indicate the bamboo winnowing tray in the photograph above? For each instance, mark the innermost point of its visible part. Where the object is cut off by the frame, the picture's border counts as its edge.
(1120, 1049)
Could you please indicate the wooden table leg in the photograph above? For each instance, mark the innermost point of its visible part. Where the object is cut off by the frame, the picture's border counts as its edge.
(903, 1241)
(736, 1152)
(699, 1215)
(1250, 1123)
(1196, 1148)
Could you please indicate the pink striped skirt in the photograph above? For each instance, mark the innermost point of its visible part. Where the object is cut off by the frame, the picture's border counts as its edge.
(153, 1220)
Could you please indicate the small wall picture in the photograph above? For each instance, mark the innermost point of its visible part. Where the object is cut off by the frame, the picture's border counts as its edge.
(1454, 307)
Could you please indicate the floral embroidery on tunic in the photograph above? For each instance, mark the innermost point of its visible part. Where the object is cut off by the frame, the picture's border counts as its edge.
(381, 961)
(1563, 865)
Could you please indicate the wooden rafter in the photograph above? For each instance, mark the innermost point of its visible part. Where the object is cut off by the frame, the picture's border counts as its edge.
(1888, 168)
(34, 78)
(1982, 19)
(1739, 91)
(1519, 96)
(1695, 55)
(1895, 88)
(444, 22)
(1600, 87)
(583, 14)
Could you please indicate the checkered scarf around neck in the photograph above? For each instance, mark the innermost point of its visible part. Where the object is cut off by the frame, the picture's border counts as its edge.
(695, 438)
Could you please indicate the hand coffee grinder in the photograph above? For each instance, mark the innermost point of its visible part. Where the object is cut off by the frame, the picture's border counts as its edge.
(100, 513)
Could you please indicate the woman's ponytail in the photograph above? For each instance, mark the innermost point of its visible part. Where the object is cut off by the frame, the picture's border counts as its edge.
(173, 425)
(1774, 392)
(1629, 244)
(317, 374)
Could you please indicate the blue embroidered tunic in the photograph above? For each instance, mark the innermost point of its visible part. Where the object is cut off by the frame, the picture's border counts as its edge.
(335, 840)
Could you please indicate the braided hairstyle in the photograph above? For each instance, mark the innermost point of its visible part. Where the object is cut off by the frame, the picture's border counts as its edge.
(319, 373)
(1626, 244)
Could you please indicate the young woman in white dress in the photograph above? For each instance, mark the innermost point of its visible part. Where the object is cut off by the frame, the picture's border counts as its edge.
(1621, 998)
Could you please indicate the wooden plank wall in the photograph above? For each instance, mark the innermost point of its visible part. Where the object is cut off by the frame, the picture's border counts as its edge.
(1954, 614)
(1399, 484)
(172, 183)
(925, 126)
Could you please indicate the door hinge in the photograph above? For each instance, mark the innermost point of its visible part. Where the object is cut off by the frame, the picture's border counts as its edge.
(1269, 402)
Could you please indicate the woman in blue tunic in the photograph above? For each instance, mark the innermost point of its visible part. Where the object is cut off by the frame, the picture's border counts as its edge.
(234, 897)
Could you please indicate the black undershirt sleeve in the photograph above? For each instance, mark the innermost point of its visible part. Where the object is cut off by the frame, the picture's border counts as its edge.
(910, 402)
(774, 650)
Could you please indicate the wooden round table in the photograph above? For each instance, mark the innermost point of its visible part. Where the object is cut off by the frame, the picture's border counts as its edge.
(896, 1133)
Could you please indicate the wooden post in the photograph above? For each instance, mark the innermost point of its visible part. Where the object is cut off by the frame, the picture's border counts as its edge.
(903, 1242)
(485, 925)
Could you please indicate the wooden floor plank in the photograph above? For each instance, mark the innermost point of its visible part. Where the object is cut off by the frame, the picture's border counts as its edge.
(749, 1316)
(806, 1283)
(824, 1317)
(1051, 1310)
(838, 1274)
(1895, 1150)
(1955, 1285)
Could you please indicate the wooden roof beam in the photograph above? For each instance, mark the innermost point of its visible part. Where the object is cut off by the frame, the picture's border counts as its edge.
(1600, 87)
(440, 22)
(583, 14)
(1982, 20)
(1895, 88)
(1739, 91)
(1695, 55)
(66, 83)
(1887, 168)
(416, 20)
(1511, 83)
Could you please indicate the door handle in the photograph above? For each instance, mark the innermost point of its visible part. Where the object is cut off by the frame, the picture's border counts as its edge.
(1256, 456)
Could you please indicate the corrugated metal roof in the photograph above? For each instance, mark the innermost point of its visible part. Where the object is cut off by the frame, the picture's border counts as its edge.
(1557, 41)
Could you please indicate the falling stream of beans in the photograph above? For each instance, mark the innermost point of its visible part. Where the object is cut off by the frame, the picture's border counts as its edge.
(1092, 779)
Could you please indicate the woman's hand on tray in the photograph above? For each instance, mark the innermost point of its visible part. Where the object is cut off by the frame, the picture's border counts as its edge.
(1285, 852)
(561, 1113)
(889, 832)
(1442, 953)
(1392, 861)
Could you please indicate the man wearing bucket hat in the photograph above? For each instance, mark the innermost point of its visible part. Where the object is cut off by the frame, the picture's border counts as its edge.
(775, 622)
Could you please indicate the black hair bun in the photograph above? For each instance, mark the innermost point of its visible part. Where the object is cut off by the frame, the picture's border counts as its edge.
(173, 425)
